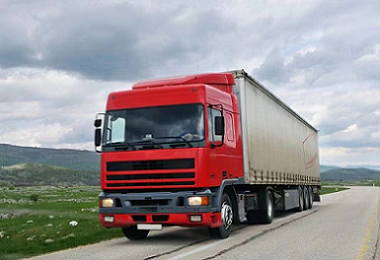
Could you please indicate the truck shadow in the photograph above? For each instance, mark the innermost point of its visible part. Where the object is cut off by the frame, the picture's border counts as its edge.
(176, 236)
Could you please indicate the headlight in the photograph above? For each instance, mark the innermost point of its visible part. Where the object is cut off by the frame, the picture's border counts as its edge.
(106, 203)
(198, 201)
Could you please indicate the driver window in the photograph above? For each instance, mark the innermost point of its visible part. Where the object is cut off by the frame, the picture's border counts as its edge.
(116, 131)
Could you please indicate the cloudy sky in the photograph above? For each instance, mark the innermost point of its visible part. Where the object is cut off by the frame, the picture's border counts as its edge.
(60, 59)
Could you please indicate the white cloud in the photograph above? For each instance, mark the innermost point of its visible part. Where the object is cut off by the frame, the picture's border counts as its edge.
(45, 108)
(37, 136)
(59, 62)
(346, 157)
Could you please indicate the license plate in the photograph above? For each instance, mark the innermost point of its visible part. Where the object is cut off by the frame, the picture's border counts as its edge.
(149, 226)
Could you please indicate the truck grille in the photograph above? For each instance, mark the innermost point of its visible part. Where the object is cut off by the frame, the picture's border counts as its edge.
(152, 173)
(151, 165)
(150, 176)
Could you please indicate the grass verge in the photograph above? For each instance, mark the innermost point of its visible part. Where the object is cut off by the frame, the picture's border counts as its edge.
(36, 220)
(327, 190)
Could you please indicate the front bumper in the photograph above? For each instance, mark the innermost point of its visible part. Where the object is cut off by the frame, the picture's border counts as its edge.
(124, 220)
(167, 208)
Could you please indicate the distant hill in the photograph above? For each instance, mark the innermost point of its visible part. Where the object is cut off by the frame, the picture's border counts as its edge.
(52, 166)
(72, 159)
(323, 168)
(372, 167)
(37, 174)
(349, 174)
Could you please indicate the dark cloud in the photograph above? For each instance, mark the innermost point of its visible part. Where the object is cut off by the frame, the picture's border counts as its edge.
(59, 60)
(113, 42)
(273, 69)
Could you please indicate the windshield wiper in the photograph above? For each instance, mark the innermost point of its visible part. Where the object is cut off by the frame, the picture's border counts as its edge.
(121, 145)
(175, 137)
(148, 142)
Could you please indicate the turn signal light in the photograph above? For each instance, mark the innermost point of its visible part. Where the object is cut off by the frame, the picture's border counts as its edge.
(198, 201)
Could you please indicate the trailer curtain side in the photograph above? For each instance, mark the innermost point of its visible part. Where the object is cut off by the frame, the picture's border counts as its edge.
(279, 146)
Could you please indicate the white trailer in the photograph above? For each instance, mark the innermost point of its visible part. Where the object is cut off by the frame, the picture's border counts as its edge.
(280, 153)
(279, 146)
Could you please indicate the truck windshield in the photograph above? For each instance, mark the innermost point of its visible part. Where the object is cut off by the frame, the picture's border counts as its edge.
(154, 126)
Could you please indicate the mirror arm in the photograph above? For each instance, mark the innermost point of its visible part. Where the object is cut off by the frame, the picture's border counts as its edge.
(219, 145)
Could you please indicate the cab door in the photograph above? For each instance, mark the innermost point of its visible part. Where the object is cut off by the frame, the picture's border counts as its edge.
(218, 151)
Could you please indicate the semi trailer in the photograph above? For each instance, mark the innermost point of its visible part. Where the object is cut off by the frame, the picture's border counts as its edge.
(208, 150)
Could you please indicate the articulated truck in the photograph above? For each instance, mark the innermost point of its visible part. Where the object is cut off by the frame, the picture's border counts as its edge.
(207, 150)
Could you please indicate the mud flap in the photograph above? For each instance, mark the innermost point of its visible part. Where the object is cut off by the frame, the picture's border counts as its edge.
(316, 197)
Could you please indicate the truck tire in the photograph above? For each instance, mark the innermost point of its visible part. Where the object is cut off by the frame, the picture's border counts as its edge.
(311, 195)
(305, 198)
(132, 233)
(266, 216)
(227, 216)
(300, 199)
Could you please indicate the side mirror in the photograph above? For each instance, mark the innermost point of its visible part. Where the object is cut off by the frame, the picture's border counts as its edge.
(98, 136)
(219, 125)
(219, 130)
(98, 123)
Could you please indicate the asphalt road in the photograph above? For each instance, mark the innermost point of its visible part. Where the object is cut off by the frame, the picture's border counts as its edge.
(344, 225)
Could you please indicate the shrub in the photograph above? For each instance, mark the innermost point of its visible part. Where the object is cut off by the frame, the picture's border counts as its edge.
(34, 197)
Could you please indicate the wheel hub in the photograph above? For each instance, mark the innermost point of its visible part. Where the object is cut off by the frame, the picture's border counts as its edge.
(227, 215)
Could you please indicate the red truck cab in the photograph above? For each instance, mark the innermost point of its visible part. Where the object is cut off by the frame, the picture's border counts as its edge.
(171, 150)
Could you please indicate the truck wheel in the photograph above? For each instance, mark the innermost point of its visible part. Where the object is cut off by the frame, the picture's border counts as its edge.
(310, 197)
(305, 198)
(227, 215)
(300, 199)
(266, 215)
(133, 233)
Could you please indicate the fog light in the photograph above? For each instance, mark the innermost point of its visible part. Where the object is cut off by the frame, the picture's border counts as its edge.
(109, 219)
(198, 201)
(106, 203)
(196, 218)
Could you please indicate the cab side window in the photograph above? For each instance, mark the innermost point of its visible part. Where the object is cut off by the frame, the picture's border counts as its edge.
(229, 127)
(212, 113)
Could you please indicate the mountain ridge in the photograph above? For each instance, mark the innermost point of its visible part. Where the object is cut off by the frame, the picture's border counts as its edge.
(67, 158)
(73, 162)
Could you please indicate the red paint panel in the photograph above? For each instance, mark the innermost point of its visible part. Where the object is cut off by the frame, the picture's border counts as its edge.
(209, 79)
(209, 163)
(191, 94)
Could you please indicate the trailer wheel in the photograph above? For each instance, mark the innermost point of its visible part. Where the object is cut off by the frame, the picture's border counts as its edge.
(305, 198)
(133, 233)
(227, 215)
(300, 199)
(311, 197)
(266, 215)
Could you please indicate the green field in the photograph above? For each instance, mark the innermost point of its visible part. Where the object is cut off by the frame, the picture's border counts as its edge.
(326, 190)
(35, 220)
